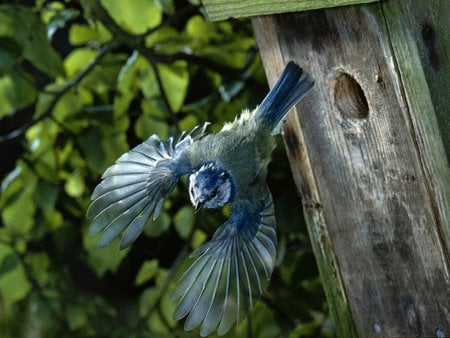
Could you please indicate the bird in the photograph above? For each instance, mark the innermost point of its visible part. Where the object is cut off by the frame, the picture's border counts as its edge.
(229, 167)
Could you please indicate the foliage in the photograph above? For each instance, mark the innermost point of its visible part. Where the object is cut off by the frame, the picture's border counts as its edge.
(80, 83)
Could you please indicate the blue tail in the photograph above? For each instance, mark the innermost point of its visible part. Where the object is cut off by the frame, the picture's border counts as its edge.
(290, 88)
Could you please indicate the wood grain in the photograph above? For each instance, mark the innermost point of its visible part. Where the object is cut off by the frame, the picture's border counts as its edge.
(222, 10)
(371, 182)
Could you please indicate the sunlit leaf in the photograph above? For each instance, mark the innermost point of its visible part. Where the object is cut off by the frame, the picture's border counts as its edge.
(147, 271)
(67, 106)
(78, 60)
(198, 239)
(136, 74)
(81, 33)
(184, 221)
(188, 122)
(175, 80)
(53, 219)
(75, 186)
(168, 40)
(200, 30)
(135, 16)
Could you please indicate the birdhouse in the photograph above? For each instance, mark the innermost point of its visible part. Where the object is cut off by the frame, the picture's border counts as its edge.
(369, 150)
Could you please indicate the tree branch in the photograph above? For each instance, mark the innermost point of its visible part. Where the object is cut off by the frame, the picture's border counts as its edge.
(58, 94)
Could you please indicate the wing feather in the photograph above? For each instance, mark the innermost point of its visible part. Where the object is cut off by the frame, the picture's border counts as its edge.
(136, 186)
(225, 279)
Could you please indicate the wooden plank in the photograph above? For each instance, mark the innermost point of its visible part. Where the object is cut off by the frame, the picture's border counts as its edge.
(302, 171)
(222, 10)
(421, 44)
(364, 167)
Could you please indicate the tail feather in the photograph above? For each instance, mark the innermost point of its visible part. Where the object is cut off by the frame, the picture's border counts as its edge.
(293, 84)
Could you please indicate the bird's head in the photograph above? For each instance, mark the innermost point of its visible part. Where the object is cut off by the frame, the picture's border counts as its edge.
(210, 186)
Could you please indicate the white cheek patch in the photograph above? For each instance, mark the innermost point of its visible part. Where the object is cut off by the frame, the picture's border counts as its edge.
(191, 188)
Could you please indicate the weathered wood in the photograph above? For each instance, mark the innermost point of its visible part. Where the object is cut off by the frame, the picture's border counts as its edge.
(368, 157)
(421, 44)
(221, 10)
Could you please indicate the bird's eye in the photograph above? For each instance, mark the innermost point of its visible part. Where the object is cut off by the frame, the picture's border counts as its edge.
(214, 193)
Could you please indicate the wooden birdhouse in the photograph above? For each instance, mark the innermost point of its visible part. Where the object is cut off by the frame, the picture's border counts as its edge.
(369, 149)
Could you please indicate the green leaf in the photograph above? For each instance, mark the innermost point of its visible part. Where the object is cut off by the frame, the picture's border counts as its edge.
(200, 30)
(41, 137)
(188, 122)
(93, 153)
(10, 51)
(9, 262)
(104, 259)
(53, 219)
(15, 93)
(308, 329)
(38, 264)
(167, 40)
(17, 205)
(175, 81)
(134, 16)
(76, 316)
(28, 31)
(136, 74)
(14, 284)
(184, 221)
(81, 34)
(67, 107)
(146, 126)
(11, 179)
(198, 239)
(157, 326)
(159, 225)
(148, 300)
(148, 270)
(168, 309)
(46, 195)
(78, 60)
(18, 216)
(75, 186)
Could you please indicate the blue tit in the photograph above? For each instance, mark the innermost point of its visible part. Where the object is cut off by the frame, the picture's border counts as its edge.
(228, 167)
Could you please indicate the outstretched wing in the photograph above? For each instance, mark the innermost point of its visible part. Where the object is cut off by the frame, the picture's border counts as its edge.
(136, 186)
(227, 276)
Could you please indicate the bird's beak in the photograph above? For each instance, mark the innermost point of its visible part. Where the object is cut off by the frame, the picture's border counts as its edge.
(198, 206)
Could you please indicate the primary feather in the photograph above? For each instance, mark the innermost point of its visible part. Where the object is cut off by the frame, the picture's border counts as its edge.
(228, 273)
